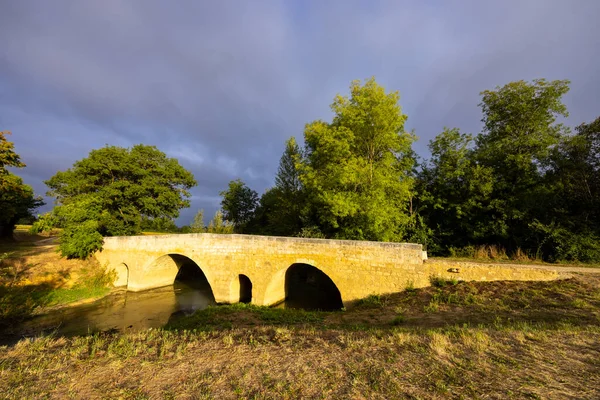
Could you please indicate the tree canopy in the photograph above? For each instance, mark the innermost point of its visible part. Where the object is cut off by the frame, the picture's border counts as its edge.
(17, 199)
(526, 184)
(238, 204)
(356, 169)
(111, 192)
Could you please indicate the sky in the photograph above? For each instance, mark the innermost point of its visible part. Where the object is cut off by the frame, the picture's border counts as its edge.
(221, 85)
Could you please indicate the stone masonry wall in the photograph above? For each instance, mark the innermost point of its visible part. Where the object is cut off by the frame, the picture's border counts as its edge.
(358, 268)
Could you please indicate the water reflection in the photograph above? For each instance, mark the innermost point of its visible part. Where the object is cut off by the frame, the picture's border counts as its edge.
(306, 287)
(122, 311)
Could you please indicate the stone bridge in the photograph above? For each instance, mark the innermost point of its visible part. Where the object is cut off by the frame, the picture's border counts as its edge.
(258, 267)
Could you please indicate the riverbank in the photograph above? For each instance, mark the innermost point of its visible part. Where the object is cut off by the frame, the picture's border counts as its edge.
(451, 340)
(34, 278)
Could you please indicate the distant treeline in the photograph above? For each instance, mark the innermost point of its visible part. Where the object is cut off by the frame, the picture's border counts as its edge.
(526, 186)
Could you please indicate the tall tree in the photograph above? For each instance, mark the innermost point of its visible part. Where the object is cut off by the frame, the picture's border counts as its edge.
(286, 200)
(17, 200)
(520, 131)
(238, 204)
(219, 225)
(356, 169)
(454, 192)
(570, 227)
(197, 225)
(112, 190)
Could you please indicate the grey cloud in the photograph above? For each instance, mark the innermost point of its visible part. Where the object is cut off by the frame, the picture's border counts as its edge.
(221, 85)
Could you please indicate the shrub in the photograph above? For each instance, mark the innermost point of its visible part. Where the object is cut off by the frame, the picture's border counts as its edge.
(80, 241)
(438, 281)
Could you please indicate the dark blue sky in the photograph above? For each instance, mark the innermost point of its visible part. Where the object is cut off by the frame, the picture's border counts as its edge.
(221, 85)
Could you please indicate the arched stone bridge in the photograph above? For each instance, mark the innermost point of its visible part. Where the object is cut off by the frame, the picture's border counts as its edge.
(357, 268)
(259, 268)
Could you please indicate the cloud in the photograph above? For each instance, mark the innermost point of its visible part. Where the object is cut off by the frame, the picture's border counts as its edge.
(221, 85)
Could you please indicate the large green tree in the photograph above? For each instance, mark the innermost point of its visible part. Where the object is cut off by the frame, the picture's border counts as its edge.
(520, 131)
(356, 169)
(455, 192)
(17, 200)
(111, 191)
(570, 227)
(239, 203)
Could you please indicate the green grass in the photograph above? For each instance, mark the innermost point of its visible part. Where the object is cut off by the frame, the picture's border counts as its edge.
(226, 316)
(65, 296)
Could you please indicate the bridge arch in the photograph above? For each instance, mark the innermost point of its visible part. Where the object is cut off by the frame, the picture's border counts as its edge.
(304, 286)
(122, 275)
(240, 289)
(172, 267)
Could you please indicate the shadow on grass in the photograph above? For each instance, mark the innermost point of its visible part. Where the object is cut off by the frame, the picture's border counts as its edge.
(498, 305)
(20, 301)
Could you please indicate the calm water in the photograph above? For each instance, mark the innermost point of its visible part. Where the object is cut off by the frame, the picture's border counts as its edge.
(121, 311)
(306, 288)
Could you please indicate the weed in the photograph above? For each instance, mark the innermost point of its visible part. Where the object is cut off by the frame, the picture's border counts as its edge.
(440, 282)
(371, 301)
(432, 307)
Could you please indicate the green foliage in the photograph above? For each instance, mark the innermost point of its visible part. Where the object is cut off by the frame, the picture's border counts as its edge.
(356, 169)
(112, 191)
(17, 200)
(8, 156)
(80, 241)
(160, 224)
(524, 184)
(440, 282)
(44, 223)
(238, 204)
(371, 301)
(197, 225)
(311, 232)
(280, 208)
(455, 192)
(219, 225)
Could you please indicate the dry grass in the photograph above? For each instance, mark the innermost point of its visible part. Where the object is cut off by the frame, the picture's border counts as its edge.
(267, 362)
(486, 340)
(493, 340)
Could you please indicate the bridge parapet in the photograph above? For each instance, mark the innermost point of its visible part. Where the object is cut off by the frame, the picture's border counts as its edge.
(358, 268)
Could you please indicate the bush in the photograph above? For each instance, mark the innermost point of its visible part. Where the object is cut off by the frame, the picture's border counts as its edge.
(80, 241)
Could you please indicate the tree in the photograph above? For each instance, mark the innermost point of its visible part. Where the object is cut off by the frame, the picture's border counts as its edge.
(454, 192)
(197, 225)
(17, 200)
(356, 169)
(112, 190)
(219, 225)
(570, 228)
(279, 210)
(161, 224)
(288, 177)
(238, 204)
(520, 132)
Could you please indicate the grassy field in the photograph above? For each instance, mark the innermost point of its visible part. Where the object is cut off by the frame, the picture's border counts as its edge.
(488, 340)
(467, 340)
